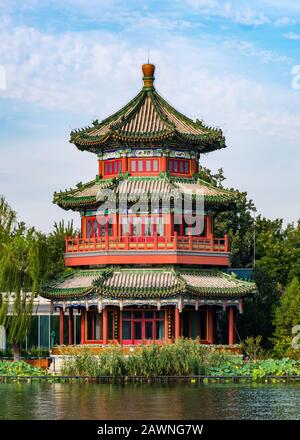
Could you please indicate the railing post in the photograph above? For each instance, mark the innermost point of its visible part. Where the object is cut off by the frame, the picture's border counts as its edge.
(67, 244)
(95, 241)
(106, 242)
(226, 244)
(175, 240)
(127, 241)
(77, 240)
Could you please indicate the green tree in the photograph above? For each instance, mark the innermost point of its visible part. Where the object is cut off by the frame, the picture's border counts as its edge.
(7, 220)
(287, 315)
(237, 221)
(22, 268)
(292, 251)
(257, 319)
(270, 248)
(55, 243)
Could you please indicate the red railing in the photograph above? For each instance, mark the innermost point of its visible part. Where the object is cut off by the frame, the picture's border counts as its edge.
(155, 242)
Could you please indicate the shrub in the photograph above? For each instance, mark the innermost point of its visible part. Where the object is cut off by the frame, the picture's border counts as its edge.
(252, 347)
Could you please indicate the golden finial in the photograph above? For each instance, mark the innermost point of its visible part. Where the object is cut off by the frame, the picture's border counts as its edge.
(148, 78)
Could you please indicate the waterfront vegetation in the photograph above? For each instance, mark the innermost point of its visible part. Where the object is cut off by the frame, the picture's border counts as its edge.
(183, 358)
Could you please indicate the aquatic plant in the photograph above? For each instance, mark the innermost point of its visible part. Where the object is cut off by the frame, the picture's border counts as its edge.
(20, 368)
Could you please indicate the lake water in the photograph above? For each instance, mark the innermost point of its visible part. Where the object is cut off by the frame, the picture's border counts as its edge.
(149, 401)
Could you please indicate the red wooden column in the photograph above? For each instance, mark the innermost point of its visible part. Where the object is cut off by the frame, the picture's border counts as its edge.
(231, 326)
(121, 327)
(115, 226)
(194, 166)
(177, 323)
(100, 167)
(83, 227)
(169, 218)
(82, 326)
(70, 327)
(61, 327)
(166, 325)
(163, 164)
(210, 325)
(124, 164)
(209, 230)
(105, 325)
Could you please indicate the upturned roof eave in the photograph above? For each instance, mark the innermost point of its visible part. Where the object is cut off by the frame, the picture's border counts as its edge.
(68, 199)
(204, 143)
(179, 286)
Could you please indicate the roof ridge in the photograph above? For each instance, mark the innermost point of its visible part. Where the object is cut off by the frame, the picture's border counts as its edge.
(72, 191)
(215, 186)
(140, 101)
(187, 119)
(170, 125)
(109, 118)
(173, 110)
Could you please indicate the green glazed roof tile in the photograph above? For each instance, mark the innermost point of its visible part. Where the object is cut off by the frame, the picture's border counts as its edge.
(148, 283)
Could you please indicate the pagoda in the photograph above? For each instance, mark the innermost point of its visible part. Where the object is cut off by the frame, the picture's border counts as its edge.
(147, 266)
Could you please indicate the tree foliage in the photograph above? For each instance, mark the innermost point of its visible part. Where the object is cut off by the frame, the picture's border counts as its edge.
(27, 259)
(277, 260)
(287, 315)
(55, 243)
(22, 266)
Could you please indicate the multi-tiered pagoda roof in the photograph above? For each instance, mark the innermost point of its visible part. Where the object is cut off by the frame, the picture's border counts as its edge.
(135, 270)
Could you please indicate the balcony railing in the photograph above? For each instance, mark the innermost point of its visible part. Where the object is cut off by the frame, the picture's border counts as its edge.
(148, 243)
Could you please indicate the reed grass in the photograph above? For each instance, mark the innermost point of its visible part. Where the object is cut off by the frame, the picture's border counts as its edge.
(183, 358)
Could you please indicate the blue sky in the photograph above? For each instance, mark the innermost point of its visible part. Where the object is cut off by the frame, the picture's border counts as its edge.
(227, 62)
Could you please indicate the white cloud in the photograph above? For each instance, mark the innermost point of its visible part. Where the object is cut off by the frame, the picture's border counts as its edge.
(238, 12)
(292, 36)
(248, 17)
(94, 74)
(285, 21)
(200, 4)
(247, 48)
